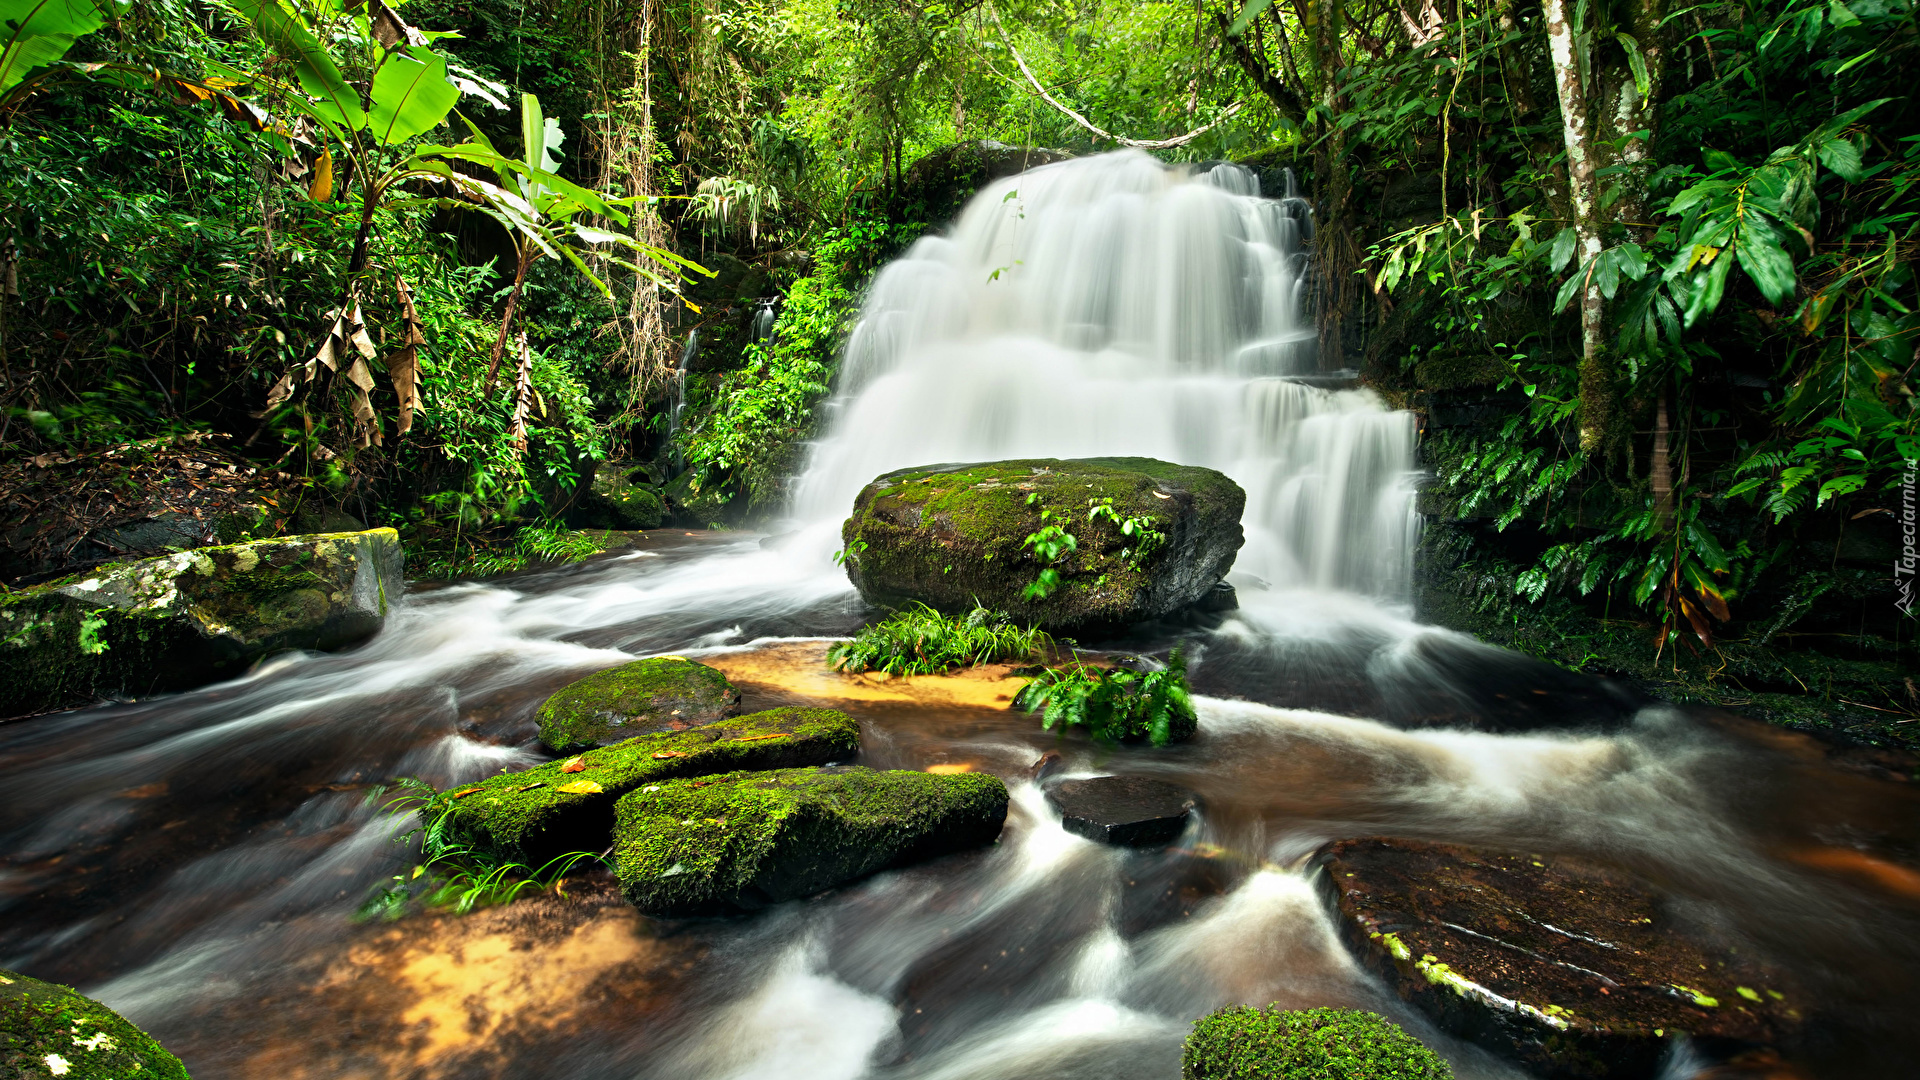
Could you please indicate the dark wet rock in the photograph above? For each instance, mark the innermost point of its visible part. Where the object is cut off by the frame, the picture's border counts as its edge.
(1130, 811)
(182, 620)
(1577, 972)
(619, 497)
(662, 693)
(531, 816)
(938, 185)
(1048, 764)
(49, 1030)
(1221, 597)
(953, 536)
(1246, 1043)
(746, 840)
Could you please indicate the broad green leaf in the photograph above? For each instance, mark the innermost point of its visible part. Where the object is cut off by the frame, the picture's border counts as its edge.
(1253, 10)
(411, 95)
(35, 33)
(1843, 158)
(1840, 485)
(287, 34)
(1709, 284)
(1761, 256)
(1638, 63)
(1564, 244)
(1840, 15)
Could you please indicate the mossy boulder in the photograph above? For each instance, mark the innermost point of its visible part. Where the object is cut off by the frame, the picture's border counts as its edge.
(746, 840)
(953, 536)
(662, 693)
(535, 814)
(186, 619)
(1576, 971)
(1245, 1043)
(48, 1030)
(619, 497)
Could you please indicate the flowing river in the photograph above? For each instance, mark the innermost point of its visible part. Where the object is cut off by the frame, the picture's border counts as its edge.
(195, 861)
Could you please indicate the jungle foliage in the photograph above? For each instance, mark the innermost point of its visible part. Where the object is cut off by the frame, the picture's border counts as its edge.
(922, 641)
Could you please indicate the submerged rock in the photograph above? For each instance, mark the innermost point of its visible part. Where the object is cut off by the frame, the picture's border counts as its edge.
(190, 618)
(953, 537)
(565, 806)
(746, 840)
(1245, 1043)
(661, 693)
(50, 1030)
(1575, 971)
(1129, 811)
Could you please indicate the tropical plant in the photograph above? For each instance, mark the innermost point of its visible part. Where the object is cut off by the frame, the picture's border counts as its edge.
(921, 641)
(1115, 703)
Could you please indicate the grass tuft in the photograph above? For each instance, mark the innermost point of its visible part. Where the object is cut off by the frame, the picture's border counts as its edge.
(1115, 704)
(921, 641)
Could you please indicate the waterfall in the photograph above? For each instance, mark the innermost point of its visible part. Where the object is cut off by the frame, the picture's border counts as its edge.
(1114, 305)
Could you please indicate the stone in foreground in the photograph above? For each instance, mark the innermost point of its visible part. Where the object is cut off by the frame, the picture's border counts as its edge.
(1245, 1043)
(182, 620)
(49, 1030)
(1127, 811)
(747, 840)
(662, 693)
(1575, 971)
(539, 813)
(953, 536)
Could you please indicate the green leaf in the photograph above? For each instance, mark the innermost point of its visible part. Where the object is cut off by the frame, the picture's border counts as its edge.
(1765, 261)
(1564, 243)
(38, 32)
(1641, 80)
(287, 34)
(1843, 158)
(411, 95)
(1708, 285)
(1840, 15)
(1252, 11)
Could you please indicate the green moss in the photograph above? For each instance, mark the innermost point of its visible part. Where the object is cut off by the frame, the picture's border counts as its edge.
(745, 840)
(1246, 1043)
(525, 817)
(659, 693)
(637, 508)
(48, 1030)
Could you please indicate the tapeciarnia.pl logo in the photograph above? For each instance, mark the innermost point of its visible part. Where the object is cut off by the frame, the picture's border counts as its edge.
(1904, 566)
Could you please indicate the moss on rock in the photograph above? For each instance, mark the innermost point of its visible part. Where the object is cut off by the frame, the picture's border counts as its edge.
(530, 817)
(48, 1030)
(661, 693)
(745, 840)
(1245, 1043)
(952, 536)
(637, 508)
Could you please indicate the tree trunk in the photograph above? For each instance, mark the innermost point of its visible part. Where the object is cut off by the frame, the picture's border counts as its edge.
(1334, 247)
(506, 321)
(1597, 390)
(1661, 468)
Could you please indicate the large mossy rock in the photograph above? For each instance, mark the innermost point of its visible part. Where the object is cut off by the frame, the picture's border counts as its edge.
(618, 498)
(746, 840)
(535, 814)
(952, 537)
(1576, 971)
(1245, 1043)
(661, 693)
(48, 1030)
(182, 620)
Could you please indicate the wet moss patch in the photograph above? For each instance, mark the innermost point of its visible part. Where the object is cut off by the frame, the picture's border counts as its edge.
(48, 1030)
(746, 840)
(538, 813)
(1245, 1043)
(662, 693)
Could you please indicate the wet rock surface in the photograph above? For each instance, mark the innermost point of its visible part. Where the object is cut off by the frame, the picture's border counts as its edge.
(953, 537)
(182, 620)
(1575, 971)
(661, 693)
(746, 840)
(1127, 811)
(50, 1030)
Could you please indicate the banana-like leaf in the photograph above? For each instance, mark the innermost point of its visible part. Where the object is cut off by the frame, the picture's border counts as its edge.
(1254, 9)
(411, 95)
(287, 34)
(1761, 256)
(35, 33)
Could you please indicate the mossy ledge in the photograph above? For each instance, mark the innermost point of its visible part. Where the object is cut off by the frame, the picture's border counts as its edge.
(527, 817)
(745, 840)
(48, 1030)
(661, 693)
(1245, 1043)
(951, 536)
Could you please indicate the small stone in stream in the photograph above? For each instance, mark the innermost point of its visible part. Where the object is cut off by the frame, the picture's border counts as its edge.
(530, 816)
(745, 840)
(1050, 762)
(1577, 972)
(661, 693)
(1131, 811)
(50, 1030)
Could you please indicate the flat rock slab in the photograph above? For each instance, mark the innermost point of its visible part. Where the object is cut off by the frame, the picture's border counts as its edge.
(661, 693)
(566, 806)
(1129, 811)
(745, 840)
(51, 1030)
(1576, 971)
(954, 537)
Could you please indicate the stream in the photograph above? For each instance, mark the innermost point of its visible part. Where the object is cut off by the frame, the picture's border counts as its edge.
(194, 861)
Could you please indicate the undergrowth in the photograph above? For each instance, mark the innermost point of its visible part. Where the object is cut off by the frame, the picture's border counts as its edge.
(445, 558)
(1114, 704)
(921, 641)
(451, 876)
(1245, 1043)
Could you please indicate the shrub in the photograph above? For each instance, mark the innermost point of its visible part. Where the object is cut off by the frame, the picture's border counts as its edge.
(1246, 1043)
(1115, 703)
(921, 641)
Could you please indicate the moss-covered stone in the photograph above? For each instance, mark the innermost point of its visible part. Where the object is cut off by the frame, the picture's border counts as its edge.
(636, 507)
(745, 840)
(48, 1030)
(185, 619)
(952, 536)
(530, 816)
(618, 498)
(661, 693)
(1245, 1043)
(1576, 971)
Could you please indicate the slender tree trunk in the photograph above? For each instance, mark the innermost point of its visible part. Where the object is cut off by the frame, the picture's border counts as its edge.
(1661, 468)
(1334, 247)
(1596, 374)
(506, 321)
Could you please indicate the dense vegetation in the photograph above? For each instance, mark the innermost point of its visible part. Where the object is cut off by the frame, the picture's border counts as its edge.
(1245, 1043)
(921, 641)
(1645, 270)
